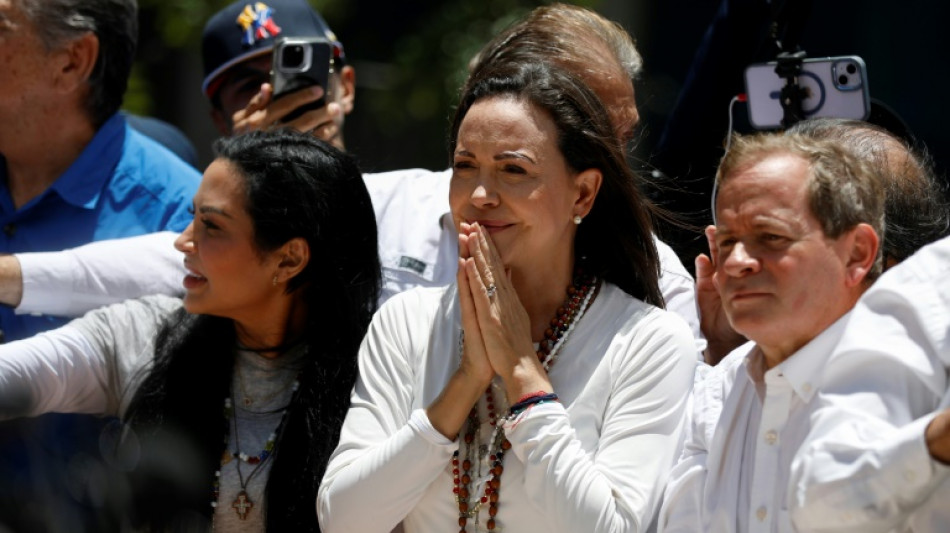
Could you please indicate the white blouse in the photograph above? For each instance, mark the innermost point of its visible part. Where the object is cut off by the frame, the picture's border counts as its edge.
(596, 461)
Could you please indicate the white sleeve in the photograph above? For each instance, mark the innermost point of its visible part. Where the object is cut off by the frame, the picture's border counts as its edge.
(679, 291)
(55, 371)
(870, 482)
(383, 439)
(864, 465)
(72, 282)
(683, 495)
(91, 365)
(617, 488)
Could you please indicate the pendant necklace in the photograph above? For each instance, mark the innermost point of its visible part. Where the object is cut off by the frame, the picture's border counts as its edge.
(472, 497)
(242, 503)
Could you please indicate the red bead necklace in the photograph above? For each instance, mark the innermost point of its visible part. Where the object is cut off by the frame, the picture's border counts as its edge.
(579, 296)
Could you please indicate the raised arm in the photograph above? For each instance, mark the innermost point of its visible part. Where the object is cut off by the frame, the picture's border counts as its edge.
(91, 365)
(72, 282)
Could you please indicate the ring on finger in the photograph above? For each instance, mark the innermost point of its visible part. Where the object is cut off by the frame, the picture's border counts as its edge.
(490, 290)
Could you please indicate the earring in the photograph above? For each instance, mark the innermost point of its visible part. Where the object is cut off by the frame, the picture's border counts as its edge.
(577, 219)
(274, 281)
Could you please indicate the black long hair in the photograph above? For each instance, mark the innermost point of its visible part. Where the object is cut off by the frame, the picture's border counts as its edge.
(296, 186)
(615, 242)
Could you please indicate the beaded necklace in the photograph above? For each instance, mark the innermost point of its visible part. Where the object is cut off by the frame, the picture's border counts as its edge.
(242, 503)
(579, 296)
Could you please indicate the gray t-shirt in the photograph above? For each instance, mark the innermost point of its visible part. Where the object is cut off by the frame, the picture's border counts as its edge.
(121, 341)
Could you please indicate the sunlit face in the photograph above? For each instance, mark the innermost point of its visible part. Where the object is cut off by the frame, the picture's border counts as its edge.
(782, 281)
(226, 274)
(510, 176)
(27, 72)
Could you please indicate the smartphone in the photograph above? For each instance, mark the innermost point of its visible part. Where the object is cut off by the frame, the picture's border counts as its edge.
(835, 87)
(301, 62)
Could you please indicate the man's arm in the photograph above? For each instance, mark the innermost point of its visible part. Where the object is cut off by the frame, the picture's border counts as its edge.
(72, 282)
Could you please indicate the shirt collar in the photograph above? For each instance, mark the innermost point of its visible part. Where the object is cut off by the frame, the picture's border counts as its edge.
(802, 370)
(83, 181)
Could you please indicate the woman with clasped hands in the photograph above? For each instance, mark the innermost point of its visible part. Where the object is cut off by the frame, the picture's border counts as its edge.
(544, 391)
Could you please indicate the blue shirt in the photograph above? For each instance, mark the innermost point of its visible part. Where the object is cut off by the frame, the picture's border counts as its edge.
(122, 184)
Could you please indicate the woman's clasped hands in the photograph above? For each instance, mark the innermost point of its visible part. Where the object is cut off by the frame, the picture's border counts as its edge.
(497, 329)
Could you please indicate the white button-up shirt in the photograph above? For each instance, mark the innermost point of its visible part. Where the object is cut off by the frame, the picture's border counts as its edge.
(865, 465)
(746, 425)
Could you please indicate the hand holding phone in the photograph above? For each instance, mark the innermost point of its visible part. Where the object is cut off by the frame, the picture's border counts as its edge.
(262, 112)
(301, 62)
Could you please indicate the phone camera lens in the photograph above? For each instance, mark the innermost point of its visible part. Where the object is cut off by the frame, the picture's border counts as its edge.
(851, 69)
(842, 79)
(292, 56)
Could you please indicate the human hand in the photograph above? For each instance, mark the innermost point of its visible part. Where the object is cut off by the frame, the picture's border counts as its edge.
(938, 437)
(474, 363)
(11, 280)
(263, 112)
(713, 322)
(503, 322)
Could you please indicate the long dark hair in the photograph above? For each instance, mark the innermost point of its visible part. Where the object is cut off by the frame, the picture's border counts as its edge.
(615, 241)
(296, 186)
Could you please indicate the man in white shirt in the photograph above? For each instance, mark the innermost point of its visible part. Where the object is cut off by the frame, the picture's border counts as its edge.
(877, 456)
(797, 225)
(418, 243)
(915, 212)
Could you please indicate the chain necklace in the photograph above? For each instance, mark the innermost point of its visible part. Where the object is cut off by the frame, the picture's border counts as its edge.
(249, 400)
(242, 503)
(488, 484)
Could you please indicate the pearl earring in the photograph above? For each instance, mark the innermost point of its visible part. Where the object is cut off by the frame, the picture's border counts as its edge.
(274, 281)
(577, 219)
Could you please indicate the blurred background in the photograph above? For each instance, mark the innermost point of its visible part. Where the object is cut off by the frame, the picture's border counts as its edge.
(410, 59)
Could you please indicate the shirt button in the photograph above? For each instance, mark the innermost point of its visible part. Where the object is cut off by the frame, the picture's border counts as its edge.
(806, 388)
(771, 437)
(909, 476)
(761, 513)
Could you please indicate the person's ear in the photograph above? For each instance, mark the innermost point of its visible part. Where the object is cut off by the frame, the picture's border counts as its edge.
(863, 247)
(588, 184)
(294, 257)
(347, 96)
(75, 61)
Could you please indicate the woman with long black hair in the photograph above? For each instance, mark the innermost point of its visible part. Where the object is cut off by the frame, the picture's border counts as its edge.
(231, 400)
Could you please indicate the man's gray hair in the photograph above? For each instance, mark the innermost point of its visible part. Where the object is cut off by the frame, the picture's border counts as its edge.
(115, 24)
(844, 190)
(915, 205)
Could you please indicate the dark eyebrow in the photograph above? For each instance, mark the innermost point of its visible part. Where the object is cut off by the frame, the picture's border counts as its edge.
(208, 209)
(513, 155)
(499, 157)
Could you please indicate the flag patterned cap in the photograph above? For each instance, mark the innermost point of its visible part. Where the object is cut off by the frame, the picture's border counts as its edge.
(247, 29)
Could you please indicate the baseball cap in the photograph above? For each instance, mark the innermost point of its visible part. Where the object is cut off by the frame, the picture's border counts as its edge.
(247, 29)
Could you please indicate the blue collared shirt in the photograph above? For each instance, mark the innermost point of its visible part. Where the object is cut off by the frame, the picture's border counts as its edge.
(122, 184)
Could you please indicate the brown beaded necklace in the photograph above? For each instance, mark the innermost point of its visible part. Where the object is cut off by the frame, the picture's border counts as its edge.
(579, 295)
